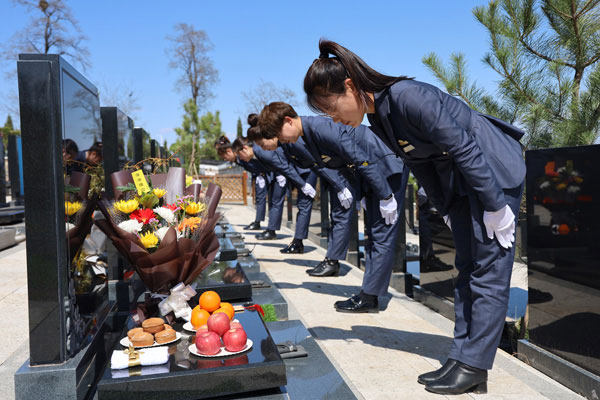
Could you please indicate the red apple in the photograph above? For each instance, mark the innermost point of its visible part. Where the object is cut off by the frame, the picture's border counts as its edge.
(236, 325)
(203, 328)
(218, 323)
(235, 339)
(208, 343)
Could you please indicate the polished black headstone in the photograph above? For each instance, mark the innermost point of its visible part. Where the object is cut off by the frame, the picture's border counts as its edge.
(563, 229)
(14, 173)
(187, 376)
(138, 145)
(227, 278)
(116, 130)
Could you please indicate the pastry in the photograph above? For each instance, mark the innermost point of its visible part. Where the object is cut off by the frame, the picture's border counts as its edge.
(167, 326)
(133, 331)
(153, 325)
(165, 336)
(142, 339)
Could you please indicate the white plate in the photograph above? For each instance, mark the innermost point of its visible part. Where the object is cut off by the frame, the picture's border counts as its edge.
(125, 342)
(221, 353)
(190, 328)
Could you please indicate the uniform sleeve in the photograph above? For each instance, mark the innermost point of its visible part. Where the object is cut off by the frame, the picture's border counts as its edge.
(341, 140)
(426, 111)
(290, 171)
(332, 177)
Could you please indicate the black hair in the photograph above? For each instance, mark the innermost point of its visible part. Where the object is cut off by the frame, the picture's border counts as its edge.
(252, 119)
(70, 147)
(239, 143)
(327, 75)
(222, 144)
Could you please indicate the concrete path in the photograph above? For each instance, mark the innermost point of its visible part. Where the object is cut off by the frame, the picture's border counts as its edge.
(381, 354)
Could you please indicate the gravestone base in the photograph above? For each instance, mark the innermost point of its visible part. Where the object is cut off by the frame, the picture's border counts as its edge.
(433, 301)
(402, 282)
(559, 369)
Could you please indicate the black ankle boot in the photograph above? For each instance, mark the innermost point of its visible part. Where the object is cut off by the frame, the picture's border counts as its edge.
(296, 247)
(254, 226)
(327, 268)
(267, 235)
(437, 374)
(462, 378)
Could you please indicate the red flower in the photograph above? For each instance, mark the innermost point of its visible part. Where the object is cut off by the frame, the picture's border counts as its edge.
(172, 207)
(143, 216)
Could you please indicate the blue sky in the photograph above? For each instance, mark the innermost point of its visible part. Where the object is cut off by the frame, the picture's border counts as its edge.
(271, 41)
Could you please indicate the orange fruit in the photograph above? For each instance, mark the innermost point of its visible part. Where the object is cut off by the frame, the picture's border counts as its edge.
(210, 301)
(229, 308)
(199, 317)
(225, 311)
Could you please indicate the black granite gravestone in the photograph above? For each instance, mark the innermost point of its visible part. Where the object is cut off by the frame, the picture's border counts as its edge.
(116, 129)
(563, 229)
(66, 337)
(14, 173)
(3, 202)
(138, 144)
(187, 376)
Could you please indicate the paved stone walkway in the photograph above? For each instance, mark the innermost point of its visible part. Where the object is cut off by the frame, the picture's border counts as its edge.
(381, 354)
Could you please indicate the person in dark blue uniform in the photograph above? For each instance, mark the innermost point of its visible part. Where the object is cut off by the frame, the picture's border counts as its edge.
(276, 184)
(262, 181)
(341, 198)
(382, 182)
(470, 165)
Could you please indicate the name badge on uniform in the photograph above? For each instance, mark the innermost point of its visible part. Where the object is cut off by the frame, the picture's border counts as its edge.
(402, 143)
(325, 158)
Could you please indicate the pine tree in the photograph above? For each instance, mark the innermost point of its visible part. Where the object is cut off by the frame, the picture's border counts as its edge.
(8, 130)
(210, 131)
(188, 136)
(546, 53)
(240, 131)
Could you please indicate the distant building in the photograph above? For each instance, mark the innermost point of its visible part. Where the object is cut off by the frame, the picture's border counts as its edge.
(218, 167)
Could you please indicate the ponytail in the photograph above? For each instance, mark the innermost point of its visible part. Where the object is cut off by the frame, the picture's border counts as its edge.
(327, 75)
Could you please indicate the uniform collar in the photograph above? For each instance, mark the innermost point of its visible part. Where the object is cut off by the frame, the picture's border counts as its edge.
(382, 113)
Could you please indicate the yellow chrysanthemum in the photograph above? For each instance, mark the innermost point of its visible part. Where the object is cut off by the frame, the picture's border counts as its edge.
(149, 240)
(188, 180)
(192, 223)
(71, 207)
(194, 208)
(127, 206)
(159, 192)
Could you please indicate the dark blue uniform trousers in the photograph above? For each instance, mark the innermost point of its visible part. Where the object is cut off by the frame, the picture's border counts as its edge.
(483, 283)
(260, 195)
(304, 204)
(277, 198)
(381, 244)
(339, 231)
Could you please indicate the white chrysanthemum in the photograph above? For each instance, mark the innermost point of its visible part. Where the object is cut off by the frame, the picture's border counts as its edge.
(165, 214)
(161, 232)
(131, 226)
(68, 226)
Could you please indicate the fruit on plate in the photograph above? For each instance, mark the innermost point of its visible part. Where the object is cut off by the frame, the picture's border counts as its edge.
(208, 343)
(235, 340)
(209, 301)
(203, 328)
(235, 324)
(228, 308)
(199, 317)
(218, 323)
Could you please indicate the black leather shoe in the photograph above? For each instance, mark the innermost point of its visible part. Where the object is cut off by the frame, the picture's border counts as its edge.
(267, 235)
(462, 378)
(437, 374)
(255, 226)
(293, 248)
(356, 304)
(319, 265)
(329, 268)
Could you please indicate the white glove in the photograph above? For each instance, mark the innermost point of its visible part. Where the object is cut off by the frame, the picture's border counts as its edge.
(363, 203)
(308, 190)
(389, 210)
(502, 224)
(345, 198)
(260, 181)
(447, 221)
(281, 180)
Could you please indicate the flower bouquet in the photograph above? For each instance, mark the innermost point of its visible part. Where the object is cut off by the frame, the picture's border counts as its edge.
(165, 233)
